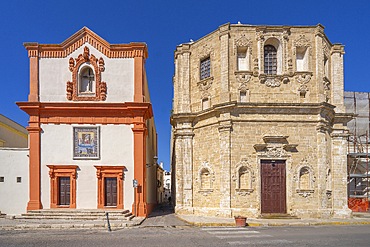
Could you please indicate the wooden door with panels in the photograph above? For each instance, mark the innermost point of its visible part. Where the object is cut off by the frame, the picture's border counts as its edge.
(273, 187)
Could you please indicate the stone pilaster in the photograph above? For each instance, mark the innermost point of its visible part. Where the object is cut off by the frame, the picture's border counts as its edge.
(224, 63)
(322, 159)
(225, 128)
(182, 79)
(337, 96)
(320, 70)
(339, 173)
(184, 167)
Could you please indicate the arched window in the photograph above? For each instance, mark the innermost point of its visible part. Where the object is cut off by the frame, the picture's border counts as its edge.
(270, 59)
(86, 80)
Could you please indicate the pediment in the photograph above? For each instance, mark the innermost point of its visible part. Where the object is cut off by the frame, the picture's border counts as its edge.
(80, 38)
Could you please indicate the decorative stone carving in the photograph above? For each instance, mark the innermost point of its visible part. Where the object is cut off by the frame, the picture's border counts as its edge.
(326, 85)
(243, 42)
(255, 67)
(326, 49)
(302, 41)
(273, 80)
(275, 146)
(72, 86)
(290, 67)
(303, 79)
(205, 84)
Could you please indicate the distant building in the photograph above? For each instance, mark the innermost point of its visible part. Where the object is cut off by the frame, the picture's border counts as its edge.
(259, 123)
(167, 186)
(12, 134)
(91, 128)
(13, 166)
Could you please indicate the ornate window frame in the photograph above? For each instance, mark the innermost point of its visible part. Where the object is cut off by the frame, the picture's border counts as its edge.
(207, 167)
(305, 192)
(244, 165)
(103, 172)
(75, 66)
(56, 171)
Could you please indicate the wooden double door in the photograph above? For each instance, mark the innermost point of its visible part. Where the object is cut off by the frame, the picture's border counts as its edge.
(273, 187)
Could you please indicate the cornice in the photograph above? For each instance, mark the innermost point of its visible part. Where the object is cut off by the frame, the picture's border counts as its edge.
(259, 108)
(81, 37)
(88, 113)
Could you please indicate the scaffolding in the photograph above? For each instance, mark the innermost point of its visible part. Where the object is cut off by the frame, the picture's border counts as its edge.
(358, 151)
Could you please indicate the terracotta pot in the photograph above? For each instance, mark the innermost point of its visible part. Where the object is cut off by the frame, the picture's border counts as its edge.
(240, 221)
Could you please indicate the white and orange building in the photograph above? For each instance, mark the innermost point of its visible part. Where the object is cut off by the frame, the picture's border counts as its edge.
(91, 127)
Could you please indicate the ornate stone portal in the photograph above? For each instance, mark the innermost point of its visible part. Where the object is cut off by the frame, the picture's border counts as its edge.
(263, 126)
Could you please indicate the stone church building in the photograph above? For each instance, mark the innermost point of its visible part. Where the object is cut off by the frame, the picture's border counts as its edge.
(259, 123)
(91, 128)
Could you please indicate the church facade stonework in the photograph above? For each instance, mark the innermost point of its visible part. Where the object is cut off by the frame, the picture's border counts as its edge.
(259, 125)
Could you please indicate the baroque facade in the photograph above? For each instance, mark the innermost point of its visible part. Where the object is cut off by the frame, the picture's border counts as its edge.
(259, 123)
(91, 128)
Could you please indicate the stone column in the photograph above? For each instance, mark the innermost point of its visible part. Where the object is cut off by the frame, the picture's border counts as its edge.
(339, 173)
(337, 95)
(224, 63)
(224, 129)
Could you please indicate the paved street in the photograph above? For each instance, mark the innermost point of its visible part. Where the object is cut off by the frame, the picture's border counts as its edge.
(355, 236)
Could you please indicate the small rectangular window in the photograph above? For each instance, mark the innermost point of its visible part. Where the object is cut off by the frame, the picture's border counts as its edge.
(205, 68)
(19, 179)
(1, 179)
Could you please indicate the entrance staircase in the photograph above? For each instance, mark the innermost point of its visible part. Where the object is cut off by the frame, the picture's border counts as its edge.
(77, 214)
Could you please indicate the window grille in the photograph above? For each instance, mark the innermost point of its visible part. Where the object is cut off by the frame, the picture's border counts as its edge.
(270, 63)
(205, 68)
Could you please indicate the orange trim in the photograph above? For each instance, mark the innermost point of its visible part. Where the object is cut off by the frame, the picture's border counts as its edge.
(79, 39)
(89, 113)
(140, 205)
(55, 172)
(34, 79)
(103, 172)
(139, 79)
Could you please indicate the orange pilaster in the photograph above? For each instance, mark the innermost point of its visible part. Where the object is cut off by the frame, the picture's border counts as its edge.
(140, 205)
(139, 79)
(34, 72)
(34, 168)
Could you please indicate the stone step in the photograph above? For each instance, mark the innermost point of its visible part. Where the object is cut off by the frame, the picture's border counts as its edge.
(70, 214)
(278, 216)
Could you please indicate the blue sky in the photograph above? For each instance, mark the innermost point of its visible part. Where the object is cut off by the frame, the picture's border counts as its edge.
(163, 25)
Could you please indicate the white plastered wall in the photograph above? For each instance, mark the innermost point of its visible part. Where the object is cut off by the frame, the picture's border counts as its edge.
(116, 149)
(118, 74)
(13, 195)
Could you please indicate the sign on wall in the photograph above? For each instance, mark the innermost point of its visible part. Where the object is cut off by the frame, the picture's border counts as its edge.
(86, 143)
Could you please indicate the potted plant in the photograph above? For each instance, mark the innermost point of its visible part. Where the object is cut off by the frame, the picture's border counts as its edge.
(240, 220)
